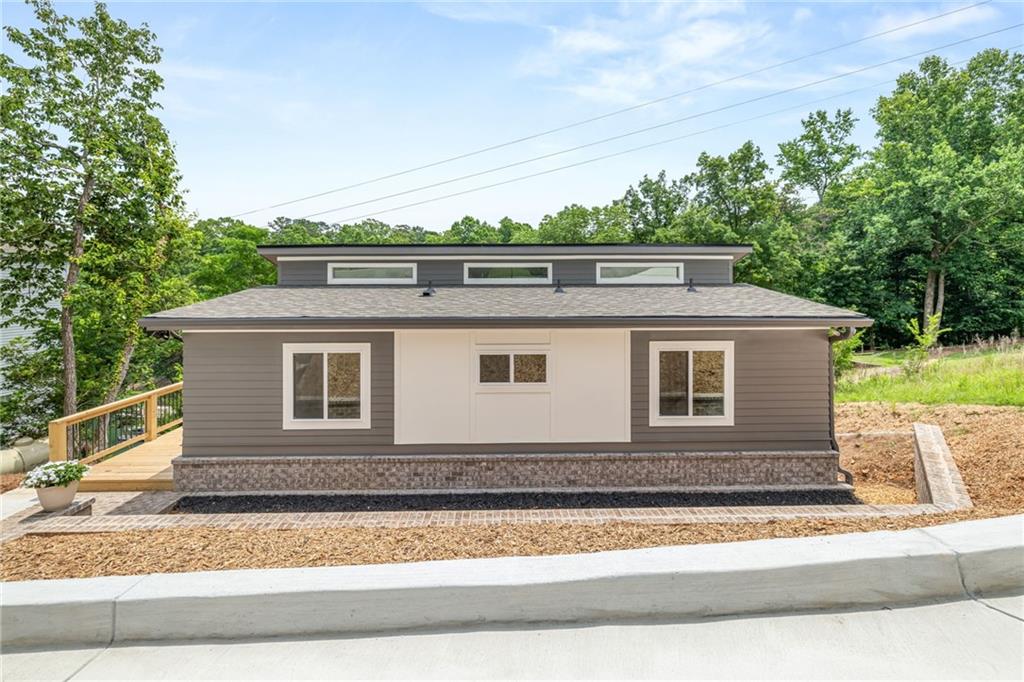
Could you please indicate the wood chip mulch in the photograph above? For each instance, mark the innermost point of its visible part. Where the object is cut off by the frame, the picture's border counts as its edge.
(986, 441)
(10, 481)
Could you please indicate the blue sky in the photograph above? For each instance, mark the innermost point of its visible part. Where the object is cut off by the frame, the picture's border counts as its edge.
(269, 101)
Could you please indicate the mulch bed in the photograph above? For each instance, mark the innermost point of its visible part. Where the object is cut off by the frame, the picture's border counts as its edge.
(240, 504)
(986, 442)
(10, 481)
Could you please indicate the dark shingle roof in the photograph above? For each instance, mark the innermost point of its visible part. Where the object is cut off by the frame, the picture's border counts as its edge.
(599, 304)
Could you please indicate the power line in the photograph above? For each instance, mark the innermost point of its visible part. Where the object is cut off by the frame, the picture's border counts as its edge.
(609, 114)
(654, 127)
(625, 151)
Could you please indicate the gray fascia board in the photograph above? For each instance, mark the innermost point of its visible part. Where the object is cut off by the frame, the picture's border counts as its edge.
(298, 324)
(459, 251)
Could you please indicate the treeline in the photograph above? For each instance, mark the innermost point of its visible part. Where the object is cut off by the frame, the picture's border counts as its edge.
(95, 233)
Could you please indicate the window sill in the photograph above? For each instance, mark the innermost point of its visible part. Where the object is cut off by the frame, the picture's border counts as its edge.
(325, 424)
(692, 421)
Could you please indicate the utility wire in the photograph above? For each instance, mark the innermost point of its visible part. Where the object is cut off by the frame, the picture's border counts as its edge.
(630, 150)
(610, 114)
(654, 127)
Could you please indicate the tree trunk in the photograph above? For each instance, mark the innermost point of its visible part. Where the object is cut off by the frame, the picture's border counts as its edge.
(940, 297)
(935, 272)
(67, 332)
(929, 298)
(124, 361)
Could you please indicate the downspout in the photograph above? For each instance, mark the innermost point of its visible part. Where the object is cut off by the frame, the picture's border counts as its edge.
(832, 338)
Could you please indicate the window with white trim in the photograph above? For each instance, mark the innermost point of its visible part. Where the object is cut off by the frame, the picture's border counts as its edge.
(507, 273)
(371, 273)
(326, 385)
(691, 383)
(525, 367)
(639, 273)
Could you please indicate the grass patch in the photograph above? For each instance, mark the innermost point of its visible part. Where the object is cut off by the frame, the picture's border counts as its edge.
(986, 378)
(881, 358)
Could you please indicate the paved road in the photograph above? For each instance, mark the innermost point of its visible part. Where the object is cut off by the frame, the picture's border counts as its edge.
(966, 639)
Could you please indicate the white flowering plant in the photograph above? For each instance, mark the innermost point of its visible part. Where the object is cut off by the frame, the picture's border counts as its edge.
(55, 474)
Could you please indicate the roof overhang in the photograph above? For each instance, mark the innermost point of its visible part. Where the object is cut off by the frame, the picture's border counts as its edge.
(346, 324)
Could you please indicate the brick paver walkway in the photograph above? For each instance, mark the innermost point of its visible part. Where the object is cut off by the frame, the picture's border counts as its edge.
(408, 519)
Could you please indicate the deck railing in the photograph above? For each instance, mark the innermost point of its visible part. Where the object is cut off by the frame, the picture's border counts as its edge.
(91, 435)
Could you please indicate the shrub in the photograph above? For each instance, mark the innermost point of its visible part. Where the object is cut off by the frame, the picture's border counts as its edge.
(924, 340)
(843, 352)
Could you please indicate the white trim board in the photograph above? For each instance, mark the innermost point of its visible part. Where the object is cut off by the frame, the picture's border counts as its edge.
(655, 418)
(288, 420)
(638, 279)
(466, 281)
(356, 281)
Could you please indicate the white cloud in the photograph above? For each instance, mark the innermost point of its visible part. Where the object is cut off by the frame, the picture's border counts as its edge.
(585, 41)
(623, 55)
(704, 40)
(802, 14)
(529, 13)
(891, 20)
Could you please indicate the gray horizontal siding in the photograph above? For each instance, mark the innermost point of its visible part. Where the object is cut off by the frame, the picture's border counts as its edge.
(233, 399)
(781, 393)
(449, 272)
(233, 396)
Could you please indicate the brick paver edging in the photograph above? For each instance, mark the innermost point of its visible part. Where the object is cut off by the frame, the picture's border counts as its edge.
(935, 472)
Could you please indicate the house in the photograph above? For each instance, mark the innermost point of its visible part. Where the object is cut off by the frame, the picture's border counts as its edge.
(439, 367)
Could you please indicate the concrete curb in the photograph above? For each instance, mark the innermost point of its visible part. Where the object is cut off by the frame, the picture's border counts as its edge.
(762, 576)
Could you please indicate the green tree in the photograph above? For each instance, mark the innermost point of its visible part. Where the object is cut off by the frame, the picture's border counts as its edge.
(513, 232)
(652, 205)
(948, 168)
(470, 230)
(89, 176)
(227, 260)
(822, 154)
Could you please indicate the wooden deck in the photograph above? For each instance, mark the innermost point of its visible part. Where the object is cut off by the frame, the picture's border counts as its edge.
(144, 467)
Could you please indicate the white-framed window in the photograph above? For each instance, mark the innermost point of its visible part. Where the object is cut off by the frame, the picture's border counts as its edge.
(507, 273)
(371, 273)
(326, 386)
(520, 367)
(691, 383)
(639, 273)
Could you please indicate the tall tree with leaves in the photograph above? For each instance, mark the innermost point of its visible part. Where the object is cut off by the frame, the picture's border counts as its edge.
(822, 154)
(948, 167)
(89, 174)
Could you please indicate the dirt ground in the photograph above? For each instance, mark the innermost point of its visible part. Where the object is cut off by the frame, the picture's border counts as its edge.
(987, 442)
(10, 481)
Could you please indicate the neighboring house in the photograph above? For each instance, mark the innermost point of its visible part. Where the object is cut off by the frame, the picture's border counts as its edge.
(506, 367)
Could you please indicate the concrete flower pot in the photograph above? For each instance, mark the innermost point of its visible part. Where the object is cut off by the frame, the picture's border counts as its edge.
(57, 497)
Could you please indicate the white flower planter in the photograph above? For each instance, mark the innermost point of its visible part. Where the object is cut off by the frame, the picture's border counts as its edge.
(57, 497)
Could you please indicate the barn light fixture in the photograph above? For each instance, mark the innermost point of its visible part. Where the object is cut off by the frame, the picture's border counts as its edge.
(558, 287)
(429, 291)
(691, 288)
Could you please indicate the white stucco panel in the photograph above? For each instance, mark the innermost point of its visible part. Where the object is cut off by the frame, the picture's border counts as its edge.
(432, 386)
(440, 398)
(591, 378)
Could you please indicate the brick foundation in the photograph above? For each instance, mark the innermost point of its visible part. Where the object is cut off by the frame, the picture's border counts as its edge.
(454, 473)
